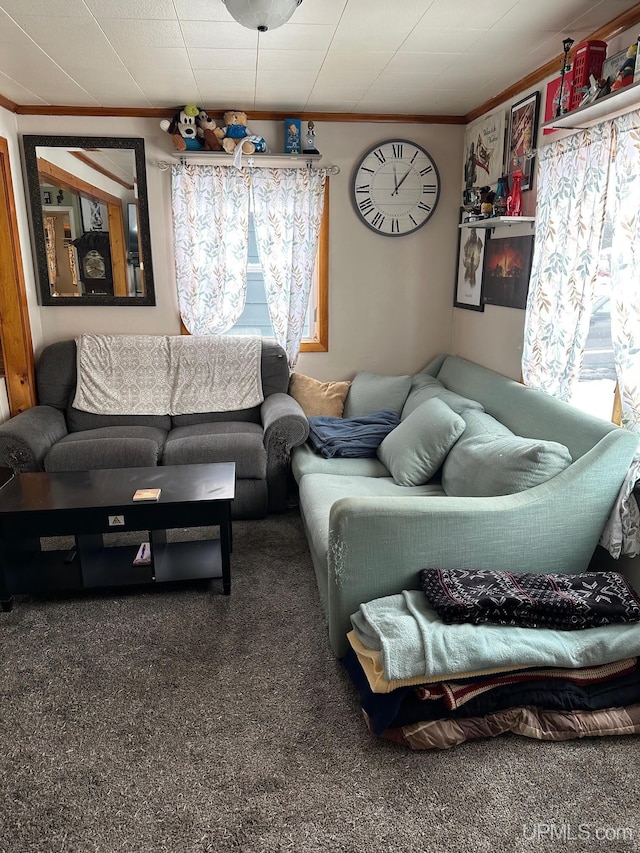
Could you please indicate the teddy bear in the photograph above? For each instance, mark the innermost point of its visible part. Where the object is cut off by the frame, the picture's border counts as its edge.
(206, 132)
(235, 132)
(183, 128)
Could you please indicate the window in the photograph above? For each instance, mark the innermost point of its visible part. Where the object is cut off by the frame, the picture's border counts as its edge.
(255, 317)
(595, 390)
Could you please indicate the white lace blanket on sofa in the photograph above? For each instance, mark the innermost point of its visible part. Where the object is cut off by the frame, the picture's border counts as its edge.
(167, 374)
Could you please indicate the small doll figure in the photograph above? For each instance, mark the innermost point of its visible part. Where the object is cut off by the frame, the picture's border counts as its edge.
(310, 147)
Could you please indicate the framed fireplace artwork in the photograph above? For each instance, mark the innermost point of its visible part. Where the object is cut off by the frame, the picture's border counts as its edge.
(506, 271)
(471, 248)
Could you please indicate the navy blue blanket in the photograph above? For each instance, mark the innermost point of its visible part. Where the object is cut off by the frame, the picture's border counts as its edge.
(350, 437)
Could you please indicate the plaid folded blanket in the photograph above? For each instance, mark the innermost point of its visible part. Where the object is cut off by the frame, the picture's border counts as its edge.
(563, 602)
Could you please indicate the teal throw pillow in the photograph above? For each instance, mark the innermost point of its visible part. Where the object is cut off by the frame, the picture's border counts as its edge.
(416, 449)
(490, 460)
(425, 387)
(371, 392)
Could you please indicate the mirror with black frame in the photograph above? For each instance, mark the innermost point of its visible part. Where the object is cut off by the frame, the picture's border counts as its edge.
(90, 219)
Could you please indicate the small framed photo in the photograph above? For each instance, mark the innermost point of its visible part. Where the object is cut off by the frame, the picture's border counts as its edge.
(521, 139)
(471, 246)
(506, 271)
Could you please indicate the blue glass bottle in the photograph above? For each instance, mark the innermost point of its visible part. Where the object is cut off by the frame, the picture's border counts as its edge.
(500, 199)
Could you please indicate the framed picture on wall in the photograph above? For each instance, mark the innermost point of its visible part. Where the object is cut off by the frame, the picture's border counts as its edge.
(484, 151)
(471, 246)
(521, 140)
(552, 98)
(506, 271)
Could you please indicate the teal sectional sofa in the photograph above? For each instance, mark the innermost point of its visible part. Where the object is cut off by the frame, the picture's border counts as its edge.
(502, 477)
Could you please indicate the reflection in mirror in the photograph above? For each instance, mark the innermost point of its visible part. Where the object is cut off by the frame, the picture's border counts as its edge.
(90, 220)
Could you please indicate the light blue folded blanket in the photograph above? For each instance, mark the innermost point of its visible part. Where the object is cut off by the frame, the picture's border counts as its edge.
(414, 641)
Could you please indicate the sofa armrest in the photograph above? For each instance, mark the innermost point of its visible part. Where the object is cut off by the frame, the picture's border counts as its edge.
(283, 416)
(378, 545)
(26, 438)
(285, 426)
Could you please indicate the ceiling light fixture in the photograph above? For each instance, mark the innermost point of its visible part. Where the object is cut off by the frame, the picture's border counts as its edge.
(261, 15)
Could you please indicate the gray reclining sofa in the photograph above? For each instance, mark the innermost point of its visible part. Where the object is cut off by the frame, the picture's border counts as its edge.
(54, 436)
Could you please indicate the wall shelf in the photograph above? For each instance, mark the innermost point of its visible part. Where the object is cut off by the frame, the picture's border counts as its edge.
(273, 159)
(499, 222)
(616, 103)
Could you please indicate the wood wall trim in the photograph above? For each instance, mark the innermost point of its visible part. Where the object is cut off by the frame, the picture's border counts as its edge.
(256, 115)
(322, 342)
(8, 105)
(97, 168)
(65, 180)
(15, 331)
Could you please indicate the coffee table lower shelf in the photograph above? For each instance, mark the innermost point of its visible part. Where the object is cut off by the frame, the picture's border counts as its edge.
(29, 570)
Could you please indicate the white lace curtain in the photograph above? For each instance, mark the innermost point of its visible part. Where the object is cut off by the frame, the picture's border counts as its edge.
(287, 212)
(211, 226)
(211, 240)
(572, 188)
(580, 178)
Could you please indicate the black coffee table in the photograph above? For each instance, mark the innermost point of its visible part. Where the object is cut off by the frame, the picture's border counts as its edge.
(87, 504)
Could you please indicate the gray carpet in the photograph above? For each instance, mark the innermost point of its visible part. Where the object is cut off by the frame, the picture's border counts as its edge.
(182, 720)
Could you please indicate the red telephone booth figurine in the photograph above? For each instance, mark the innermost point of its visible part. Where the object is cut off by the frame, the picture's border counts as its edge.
(588, 59)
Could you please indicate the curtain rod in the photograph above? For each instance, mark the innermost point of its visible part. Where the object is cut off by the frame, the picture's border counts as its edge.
(300, 162)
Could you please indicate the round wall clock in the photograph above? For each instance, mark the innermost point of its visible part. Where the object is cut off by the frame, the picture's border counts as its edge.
(395, 188)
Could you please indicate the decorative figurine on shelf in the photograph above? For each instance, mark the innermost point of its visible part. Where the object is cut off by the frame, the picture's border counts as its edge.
(235, 134)
(514, 199)
(310, 147)
(500, 198)
(183, 129)
(566, 46)
(206, 127)
(487, 198)
(292, 130)
(625, 75)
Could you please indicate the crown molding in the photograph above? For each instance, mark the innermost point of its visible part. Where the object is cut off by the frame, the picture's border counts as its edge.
(256, 115)
(8, 105)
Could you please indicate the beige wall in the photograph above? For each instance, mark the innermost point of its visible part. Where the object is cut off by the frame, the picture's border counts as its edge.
(390, 299)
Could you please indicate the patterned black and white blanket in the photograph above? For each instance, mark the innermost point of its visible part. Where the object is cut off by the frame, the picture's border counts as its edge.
(564, 602)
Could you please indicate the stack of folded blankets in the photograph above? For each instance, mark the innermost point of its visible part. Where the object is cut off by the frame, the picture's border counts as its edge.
(475, 654)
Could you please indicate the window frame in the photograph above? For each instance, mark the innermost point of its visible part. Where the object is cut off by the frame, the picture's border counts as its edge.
(321, 342)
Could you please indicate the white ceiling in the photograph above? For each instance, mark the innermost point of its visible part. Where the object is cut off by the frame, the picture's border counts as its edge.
(424, 57)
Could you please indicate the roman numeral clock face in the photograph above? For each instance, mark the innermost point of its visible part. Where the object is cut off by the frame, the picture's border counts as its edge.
(395, 188)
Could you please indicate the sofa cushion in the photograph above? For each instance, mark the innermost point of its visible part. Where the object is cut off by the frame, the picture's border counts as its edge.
(242, 443)
(79, 421)
(108, 447)
(316, 397)
(371, 392)
(416, 449)
(304, 460)
(488, 460)
(426, 387)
